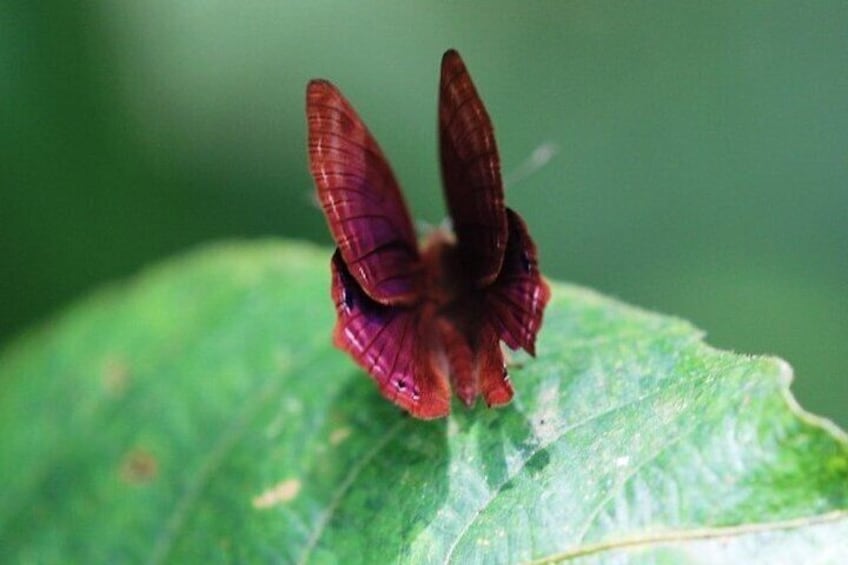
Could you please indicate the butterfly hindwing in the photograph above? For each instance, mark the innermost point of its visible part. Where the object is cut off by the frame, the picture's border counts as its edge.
(390, 343)
(508, 310)
(517, 299)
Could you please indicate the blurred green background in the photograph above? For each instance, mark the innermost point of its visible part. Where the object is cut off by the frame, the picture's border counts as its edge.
(701, 167)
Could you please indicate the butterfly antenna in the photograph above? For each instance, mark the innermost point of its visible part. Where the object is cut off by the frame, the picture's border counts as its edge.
(537, 160)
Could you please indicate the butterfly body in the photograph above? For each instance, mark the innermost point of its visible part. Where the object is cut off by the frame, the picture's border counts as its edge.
(423, 321)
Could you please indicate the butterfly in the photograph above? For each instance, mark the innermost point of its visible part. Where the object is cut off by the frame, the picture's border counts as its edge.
(424, 320)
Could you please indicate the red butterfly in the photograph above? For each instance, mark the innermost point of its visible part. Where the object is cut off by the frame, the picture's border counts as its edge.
(417, 320)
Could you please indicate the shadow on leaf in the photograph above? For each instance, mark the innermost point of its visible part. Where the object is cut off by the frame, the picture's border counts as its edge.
(381, 473)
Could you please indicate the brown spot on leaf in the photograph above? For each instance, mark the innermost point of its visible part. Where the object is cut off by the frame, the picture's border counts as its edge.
(139, 467)
(115, 376)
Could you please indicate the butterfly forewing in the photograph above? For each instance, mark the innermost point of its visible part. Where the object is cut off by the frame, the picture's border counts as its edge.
(361, 199)
(471, 174)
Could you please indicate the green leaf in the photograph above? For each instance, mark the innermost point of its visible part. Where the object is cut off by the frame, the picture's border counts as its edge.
(200, 412)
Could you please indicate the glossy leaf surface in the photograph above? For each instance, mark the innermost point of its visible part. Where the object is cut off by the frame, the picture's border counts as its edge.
(200, 412)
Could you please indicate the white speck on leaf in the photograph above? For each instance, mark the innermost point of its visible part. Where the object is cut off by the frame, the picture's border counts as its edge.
(339, 435)
(278, 494)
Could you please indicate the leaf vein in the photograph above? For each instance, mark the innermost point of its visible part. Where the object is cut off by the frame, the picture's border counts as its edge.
(694, 534)
(593, 515)
(344, 488)
(176, 521)
(567, 430)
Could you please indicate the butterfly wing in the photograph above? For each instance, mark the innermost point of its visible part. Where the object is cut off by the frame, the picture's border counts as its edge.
(361, 199)
(517, 299)
(391, 343)
(496, 250)
(471, 174)
(513, 307)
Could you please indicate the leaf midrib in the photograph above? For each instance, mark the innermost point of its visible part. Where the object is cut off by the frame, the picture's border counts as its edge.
(696, 534)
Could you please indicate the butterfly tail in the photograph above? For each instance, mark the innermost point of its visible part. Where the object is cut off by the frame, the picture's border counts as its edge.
(491, 370)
